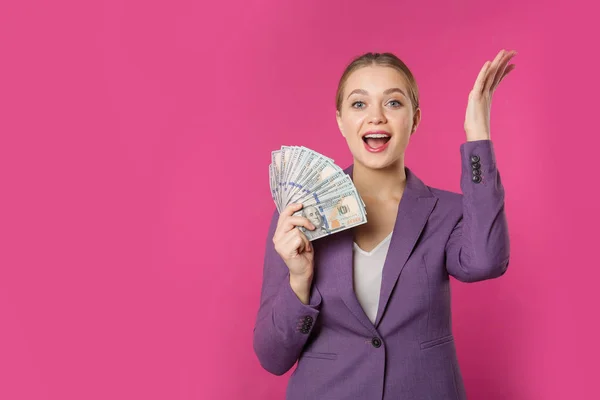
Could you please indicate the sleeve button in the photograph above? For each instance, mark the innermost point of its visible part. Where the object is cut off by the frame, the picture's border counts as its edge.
(475, 159)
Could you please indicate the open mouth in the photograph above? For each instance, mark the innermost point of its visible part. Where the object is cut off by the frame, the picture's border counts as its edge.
(376, 140)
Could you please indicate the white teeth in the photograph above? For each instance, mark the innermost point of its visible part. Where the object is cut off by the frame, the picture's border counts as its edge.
(377, 135)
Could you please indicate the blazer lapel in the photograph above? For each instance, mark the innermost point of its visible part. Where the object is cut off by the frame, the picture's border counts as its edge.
(342, 252)
(415, 206)
(414, 209)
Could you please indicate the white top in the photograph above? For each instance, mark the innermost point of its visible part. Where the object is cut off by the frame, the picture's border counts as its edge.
(368, 267)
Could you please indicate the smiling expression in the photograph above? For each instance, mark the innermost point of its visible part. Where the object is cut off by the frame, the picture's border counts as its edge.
(376, 116)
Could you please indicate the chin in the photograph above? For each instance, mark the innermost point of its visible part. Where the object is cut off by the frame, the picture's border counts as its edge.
(377, 160)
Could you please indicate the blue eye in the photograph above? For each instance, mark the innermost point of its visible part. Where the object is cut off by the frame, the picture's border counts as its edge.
(355, 103)
(398, 104)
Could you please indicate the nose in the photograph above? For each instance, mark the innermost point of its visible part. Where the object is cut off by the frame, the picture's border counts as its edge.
(376, 115)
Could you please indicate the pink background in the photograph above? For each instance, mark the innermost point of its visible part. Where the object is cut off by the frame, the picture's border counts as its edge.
(135, 140)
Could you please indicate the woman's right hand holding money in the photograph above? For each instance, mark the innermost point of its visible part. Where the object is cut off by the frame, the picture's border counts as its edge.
(295, 249)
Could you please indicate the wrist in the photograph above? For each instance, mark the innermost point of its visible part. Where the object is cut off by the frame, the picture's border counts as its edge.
(301, 278)
(476, 137)
(301, 286)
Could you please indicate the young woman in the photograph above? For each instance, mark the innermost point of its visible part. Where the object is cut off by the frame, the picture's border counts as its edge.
(366, 312)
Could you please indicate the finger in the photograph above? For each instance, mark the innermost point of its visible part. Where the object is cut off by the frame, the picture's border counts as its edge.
(478, 88)
(502, 69)
(293, 243)
(491, 74)
(302, 246)
(508, 69)
(307, 246)
(288, 211)
(285, 246)
(291, 222)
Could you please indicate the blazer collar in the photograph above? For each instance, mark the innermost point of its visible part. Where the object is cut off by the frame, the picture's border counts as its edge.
(415, 206)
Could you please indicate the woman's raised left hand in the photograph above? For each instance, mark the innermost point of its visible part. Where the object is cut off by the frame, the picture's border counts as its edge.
(477, 118)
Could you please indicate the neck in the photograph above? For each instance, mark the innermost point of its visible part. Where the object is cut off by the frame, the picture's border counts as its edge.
(381, 184)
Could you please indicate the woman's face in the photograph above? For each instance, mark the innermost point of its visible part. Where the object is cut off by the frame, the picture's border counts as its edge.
(375, 102)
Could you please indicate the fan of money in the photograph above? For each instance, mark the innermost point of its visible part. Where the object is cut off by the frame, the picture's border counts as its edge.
(328, 195)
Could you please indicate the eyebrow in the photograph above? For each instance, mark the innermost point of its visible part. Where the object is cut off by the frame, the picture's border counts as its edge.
(388, 91)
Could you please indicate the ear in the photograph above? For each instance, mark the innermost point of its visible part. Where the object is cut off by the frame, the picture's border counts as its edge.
(416, 121)
(338, 118)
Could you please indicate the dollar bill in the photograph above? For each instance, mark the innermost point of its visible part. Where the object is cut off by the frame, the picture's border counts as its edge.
(333, 214)
(330, 200)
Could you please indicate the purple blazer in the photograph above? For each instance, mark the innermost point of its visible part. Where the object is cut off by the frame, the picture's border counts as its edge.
(409, 352)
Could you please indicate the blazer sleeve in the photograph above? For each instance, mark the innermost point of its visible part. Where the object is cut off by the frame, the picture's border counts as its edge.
(283, 323)
(478, 247)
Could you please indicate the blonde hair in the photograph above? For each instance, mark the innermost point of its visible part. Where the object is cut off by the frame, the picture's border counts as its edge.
(382, 60)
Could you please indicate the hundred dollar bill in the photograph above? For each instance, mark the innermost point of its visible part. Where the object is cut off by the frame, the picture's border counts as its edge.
(285, 157)
(273, 186)
(305, 168)
(326, 186)
(333, 214)
(276, 161)
(310, 163)
(321, 171)
(337, 182)
(306, 158)
(295, 158)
